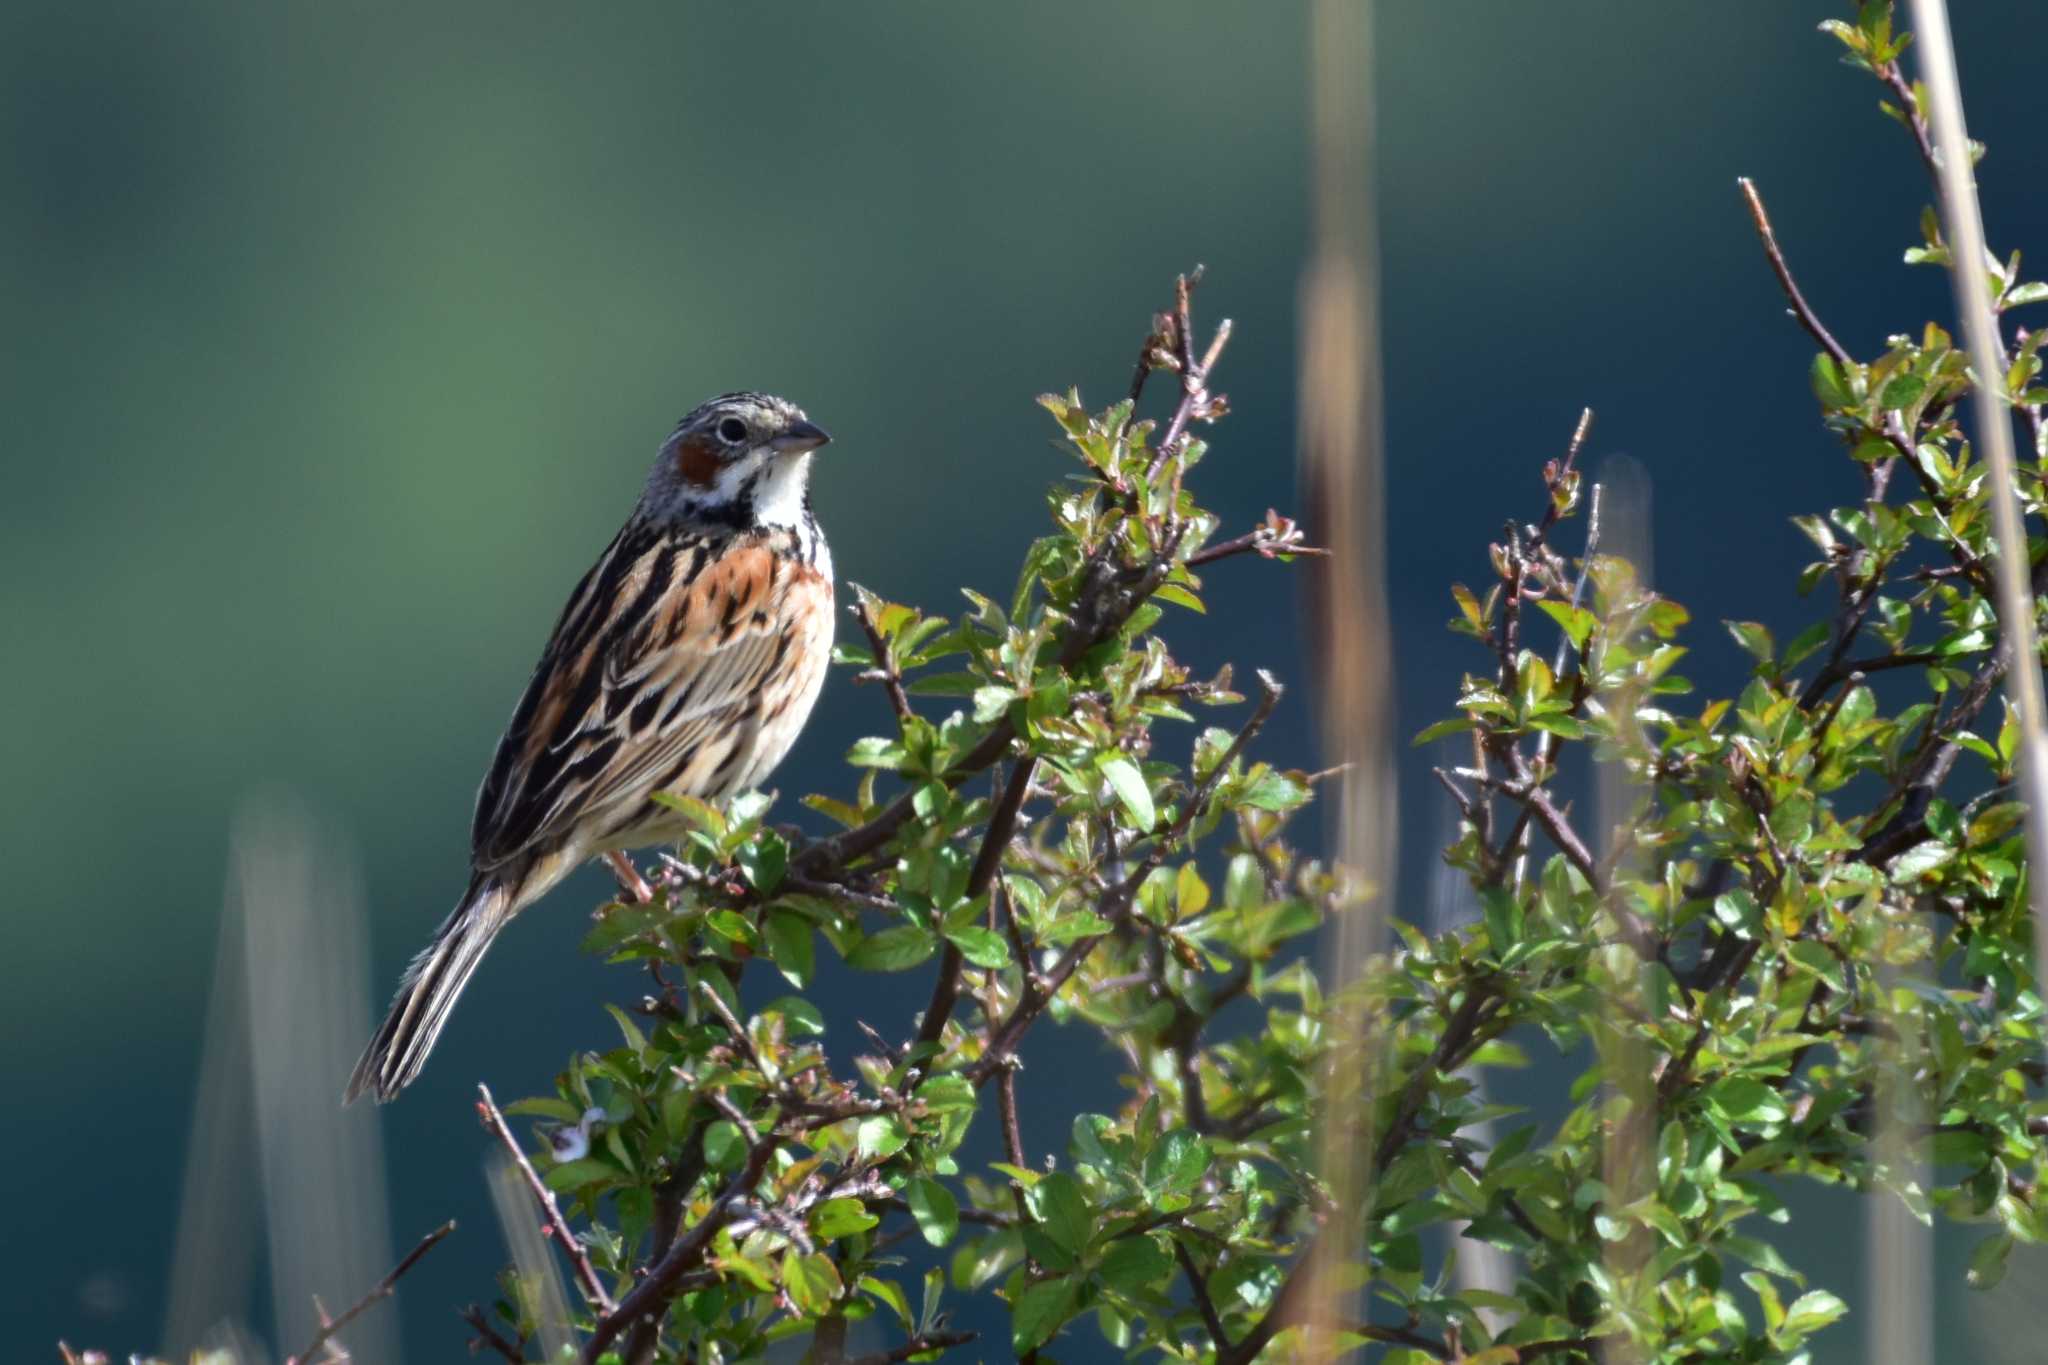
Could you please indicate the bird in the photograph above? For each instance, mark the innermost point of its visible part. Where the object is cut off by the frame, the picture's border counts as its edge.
(686, 661)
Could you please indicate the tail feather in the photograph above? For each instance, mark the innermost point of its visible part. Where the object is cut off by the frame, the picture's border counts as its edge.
(428, 992)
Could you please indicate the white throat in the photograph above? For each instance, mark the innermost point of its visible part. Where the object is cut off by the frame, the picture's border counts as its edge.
(779, 491)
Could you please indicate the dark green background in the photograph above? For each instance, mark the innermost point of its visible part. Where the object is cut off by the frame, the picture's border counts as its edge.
(338, 338)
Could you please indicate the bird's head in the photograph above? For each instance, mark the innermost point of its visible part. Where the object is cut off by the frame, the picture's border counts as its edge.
(742, 459)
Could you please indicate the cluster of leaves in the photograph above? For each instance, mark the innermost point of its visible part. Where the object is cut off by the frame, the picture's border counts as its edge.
(1802, 947)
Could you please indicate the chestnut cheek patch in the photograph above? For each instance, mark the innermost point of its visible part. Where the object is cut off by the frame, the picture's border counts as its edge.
(697, 462)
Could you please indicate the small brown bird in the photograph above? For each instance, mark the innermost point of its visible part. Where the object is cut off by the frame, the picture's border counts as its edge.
(686, 661)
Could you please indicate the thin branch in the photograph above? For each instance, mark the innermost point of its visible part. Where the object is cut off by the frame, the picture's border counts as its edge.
(1195, 400)
(1013, 1133)
(892, 681)
(644, 1339)
(1800, 308)
(821, 858)
(1909, 110)
(658, 1289)
(1270, 692)
(1199, 1283)
(1547, 743)
(917, 1345)
(558, 1226)
(1904, 659)
(487, 1335)
(630, 881)
(1276, 535)
(1930, 768)
(995, 842)
(1894, 429)
(722, 1102)
(1458, 1035)
(1006, 1103)
(1544, 808)
(987, 1218)
(1402, 1336)
(382, 1290)
(738, 1031)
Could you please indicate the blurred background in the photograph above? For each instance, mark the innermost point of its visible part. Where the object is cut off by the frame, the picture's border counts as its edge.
(340, 338)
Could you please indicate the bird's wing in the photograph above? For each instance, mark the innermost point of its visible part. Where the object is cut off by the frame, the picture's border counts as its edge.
(652, 681)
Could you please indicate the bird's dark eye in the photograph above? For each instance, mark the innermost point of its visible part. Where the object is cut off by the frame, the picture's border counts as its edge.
(732, 431)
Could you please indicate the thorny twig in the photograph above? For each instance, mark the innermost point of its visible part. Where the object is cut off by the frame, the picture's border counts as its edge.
(916, 1346)
(383, 1289)
(654, 1292)
(558, 1226)
(884, 670)
(1002, 824)
(489, 1336)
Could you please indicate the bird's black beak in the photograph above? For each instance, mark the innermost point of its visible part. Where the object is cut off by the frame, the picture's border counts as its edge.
(800, 436)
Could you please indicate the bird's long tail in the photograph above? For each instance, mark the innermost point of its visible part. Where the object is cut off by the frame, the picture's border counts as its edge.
(427, 994)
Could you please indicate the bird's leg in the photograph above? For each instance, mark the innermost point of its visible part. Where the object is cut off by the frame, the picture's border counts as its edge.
(630, 881)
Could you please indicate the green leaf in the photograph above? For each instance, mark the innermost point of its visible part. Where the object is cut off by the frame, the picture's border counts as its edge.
(1811, 1311)
(1902, 392)
(1128, 782)
(893, 950)
(1131, 1263)
(723, 1144)
(1058, 1205)
(1829, 386)
(1745, 1101)
(1754, 637)
(891, 1293)
(799, 1015)
(1456, 725)
(982, 947)
(843, 1217)
(990, 702)
(730, 924)
(1176, 1163)
(1921, 859)
(1271, 789)
(947, 1093)
(574, 1175)
(1576, 622)
(1959, 1147)
(700, 813)
(636, 1041)
(547, 1107)
(1758, 1253)
(875, 752)
(881, 1135)
(764, 862)
(1040, 1311)
(933, 1206)
(789, 944)
(1503, 918)
(811, 1281)
(1988, 1260)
